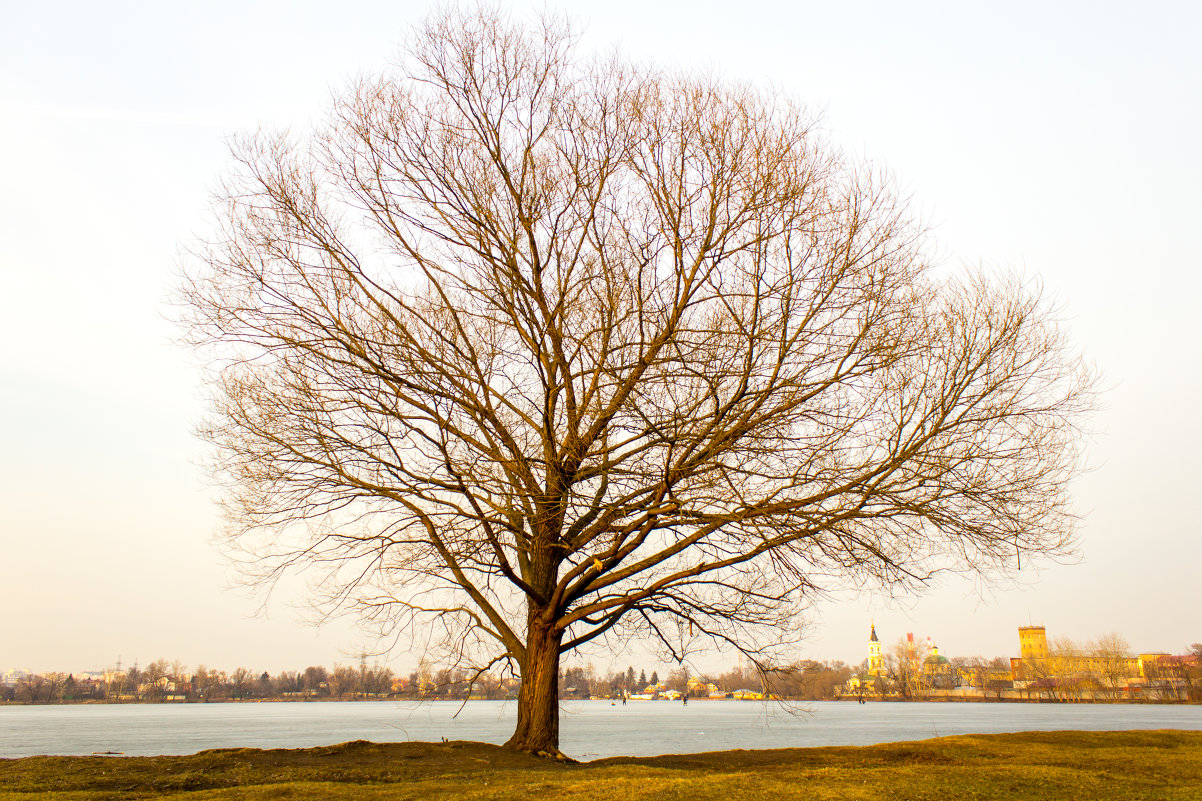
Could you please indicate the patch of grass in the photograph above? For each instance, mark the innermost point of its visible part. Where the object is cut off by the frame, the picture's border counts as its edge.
(1091, 766)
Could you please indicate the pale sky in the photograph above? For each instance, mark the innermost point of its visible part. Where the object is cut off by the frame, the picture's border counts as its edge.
(1060, 142)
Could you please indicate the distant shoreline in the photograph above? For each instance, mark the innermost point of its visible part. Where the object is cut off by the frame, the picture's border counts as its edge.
(840, 700)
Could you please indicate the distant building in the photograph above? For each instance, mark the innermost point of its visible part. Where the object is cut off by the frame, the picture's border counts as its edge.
(871, 681)
(697, 687)
(747, 695)
(876, 662)
(937, 670)
(1041, 667)
(13, 675)
(1032, 642)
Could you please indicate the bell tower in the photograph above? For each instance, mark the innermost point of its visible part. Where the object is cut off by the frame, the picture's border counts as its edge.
(876, 663)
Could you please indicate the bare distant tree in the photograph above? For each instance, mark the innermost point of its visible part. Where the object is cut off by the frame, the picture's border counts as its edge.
(1190, 670)
(1115, 663)
(314, 677)
(990, 676)
(42, 688)
(35, 688)
(344, 679)
(1164, 678)
(904, 664)
(211, 685)
(288, 682)
(156, 680)
(529, 352)
(241, 682)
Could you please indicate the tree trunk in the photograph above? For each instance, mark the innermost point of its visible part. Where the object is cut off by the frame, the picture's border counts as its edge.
(537, 730)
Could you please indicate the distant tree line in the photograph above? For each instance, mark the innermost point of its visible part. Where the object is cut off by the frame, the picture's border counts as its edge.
(162, 681)
(909, 673)
(806, 680)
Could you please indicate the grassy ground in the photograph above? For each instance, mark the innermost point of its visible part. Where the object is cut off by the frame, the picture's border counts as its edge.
(1092, 766)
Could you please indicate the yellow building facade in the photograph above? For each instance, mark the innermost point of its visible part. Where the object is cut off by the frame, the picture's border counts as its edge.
(1040, 664)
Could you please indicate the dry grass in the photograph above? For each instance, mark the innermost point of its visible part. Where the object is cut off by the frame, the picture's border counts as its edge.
(1092, 766)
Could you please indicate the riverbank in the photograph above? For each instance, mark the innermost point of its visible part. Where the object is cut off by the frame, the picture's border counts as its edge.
(404, 699)
(1099, 766)
(976, 699)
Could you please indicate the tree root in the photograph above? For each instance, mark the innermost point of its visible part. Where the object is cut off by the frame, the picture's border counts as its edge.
(556, 754)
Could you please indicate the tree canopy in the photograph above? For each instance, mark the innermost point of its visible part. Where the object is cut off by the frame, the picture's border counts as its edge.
(521, 351)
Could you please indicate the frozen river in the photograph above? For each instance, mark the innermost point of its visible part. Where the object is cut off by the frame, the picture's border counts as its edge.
(588, 729)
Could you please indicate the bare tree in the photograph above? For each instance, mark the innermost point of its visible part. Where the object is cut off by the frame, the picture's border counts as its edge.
(241, 683)
(528, 352)
(211, 685)
(983, 674)
(314, 677)
(157, 680)
(342, 680)
(1114, 663)
(33, 688)
(904, 664)
(1165, 678)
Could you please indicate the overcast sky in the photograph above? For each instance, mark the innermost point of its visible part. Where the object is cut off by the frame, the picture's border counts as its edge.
(1061, 143)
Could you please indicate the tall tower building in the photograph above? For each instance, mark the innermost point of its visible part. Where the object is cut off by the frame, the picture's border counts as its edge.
(1033, 642)
(876, 662)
